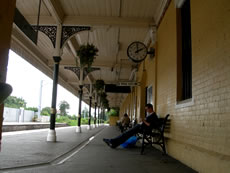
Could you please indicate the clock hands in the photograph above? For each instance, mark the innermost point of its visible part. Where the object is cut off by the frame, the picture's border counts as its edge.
(138, 50)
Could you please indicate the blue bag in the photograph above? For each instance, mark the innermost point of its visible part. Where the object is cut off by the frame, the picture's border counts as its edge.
(129, 142)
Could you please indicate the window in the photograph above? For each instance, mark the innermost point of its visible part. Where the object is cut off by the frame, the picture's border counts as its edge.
(184, 61)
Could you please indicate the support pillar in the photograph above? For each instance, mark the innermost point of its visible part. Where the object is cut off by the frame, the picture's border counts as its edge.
(51, 137)
(90, 104)
(95, 115)
(6, 20)
(98, 117)
(103, 119)
(52, 133)
(78, 129)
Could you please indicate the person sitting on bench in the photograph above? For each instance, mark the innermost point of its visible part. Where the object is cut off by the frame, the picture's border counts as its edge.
(150, 122)
(124, 122)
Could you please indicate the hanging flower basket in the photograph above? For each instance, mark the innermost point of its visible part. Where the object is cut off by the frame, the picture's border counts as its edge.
(99, 85)
(87, 54)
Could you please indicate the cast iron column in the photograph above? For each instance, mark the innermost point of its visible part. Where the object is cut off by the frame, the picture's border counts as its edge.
(90, 104)
(98, 116)
(52, 134)
(79, 111)
(95, 115)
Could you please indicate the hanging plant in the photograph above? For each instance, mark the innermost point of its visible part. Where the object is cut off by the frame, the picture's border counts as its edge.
(87, 54)
(103, 96)
(104, 100)
(99, 85)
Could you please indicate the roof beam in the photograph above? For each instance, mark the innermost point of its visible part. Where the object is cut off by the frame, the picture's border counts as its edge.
(94, 21)
(55, 9)
(95, 64)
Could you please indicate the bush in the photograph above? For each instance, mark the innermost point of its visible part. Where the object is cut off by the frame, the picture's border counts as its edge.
(67, 120)
(35, 118)
(113, 112)
(72, 122)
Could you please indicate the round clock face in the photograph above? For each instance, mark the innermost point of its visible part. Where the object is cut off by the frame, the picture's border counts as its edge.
(137, 51)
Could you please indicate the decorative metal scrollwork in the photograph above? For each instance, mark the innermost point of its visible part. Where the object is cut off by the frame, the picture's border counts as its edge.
(87, 86)
(89, 70)
(68, 31)
(76, 70)
(50, 31)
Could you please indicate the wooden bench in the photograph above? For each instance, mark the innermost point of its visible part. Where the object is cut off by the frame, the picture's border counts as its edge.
(155, 136)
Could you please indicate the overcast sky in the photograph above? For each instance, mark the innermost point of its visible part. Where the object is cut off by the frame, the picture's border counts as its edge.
(25, 80)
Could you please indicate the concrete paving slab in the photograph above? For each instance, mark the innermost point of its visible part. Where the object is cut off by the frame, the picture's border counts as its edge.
(14, 126)
(97, 157)
(31, 148)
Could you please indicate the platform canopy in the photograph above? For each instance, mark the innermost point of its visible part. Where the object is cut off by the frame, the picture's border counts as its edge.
(114, 24)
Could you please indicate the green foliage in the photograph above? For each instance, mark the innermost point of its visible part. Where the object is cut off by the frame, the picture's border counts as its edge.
(35, 118)
(84, 120)
(63, 106)
(87, 54)
(85, 112)
(67, 120)
(15, 102)
(104, 100)
(113, 112)
(46, 111)
(99, 85)
(32, 109)
(71, 121)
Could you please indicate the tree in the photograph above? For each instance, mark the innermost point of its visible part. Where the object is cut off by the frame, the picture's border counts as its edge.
(63, 106)
(46, 111)
(113, 112)
(15, 102)
(85, 113)
(32, 109)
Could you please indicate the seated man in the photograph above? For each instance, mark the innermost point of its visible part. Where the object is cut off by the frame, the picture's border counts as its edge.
(150, 122)
(124, 122)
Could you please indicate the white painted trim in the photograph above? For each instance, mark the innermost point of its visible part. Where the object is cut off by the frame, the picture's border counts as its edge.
(51, 137)
(160, 10)
(184, 103)
(96, 21)
(179, 3)
(89, 127)
(78, 129)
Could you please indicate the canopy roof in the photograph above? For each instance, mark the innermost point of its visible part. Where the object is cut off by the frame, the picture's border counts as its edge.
(114, 24)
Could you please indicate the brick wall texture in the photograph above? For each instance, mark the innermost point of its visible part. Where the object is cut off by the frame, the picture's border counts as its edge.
(200, 129)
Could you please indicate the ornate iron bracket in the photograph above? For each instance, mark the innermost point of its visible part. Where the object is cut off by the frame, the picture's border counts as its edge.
(89, 70)
(49, 31)
(68, 31)
(76, 70)
(87, 86)
(86, 71)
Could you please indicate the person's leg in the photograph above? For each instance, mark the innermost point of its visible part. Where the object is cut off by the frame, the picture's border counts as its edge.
(124, 136)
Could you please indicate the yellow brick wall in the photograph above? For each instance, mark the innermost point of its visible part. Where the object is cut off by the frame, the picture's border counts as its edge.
(200, 131)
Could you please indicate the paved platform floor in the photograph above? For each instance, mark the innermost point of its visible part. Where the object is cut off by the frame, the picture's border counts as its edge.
(19, 126)
(86, 156)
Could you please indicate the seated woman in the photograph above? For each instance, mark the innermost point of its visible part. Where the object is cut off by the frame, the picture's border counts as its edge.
(124, 122)
(150, 122)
